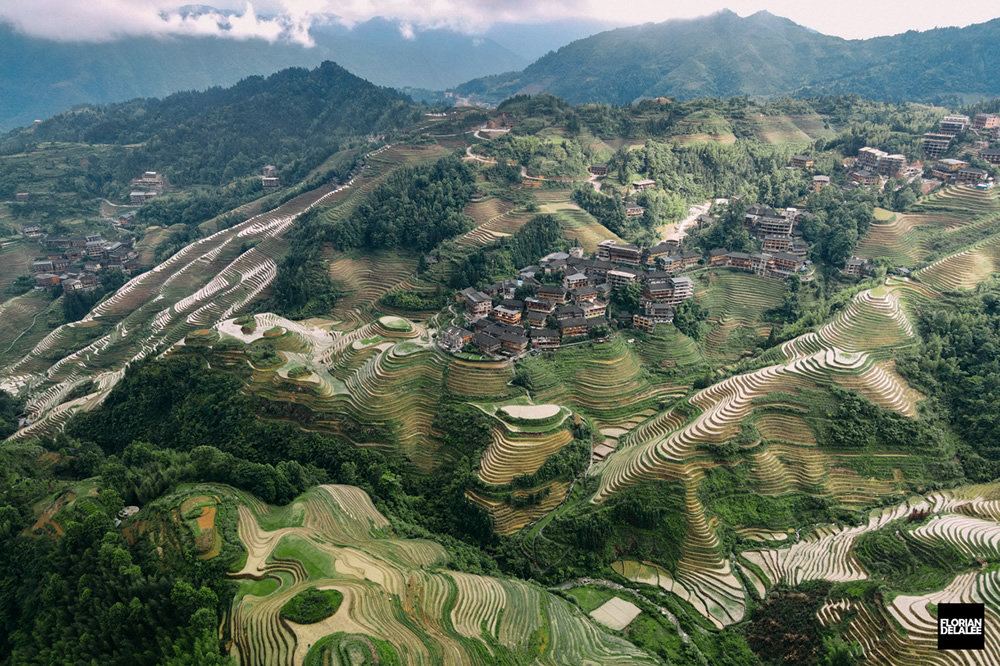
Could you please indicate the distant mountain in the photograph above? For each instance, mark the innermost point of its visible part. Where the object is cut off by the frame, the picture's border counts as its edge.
(40, 77)
(759, 56)
(294, 119)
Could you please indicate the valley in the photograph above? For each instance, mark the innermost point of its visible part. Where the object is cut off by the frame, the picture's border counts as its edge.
(507, 416)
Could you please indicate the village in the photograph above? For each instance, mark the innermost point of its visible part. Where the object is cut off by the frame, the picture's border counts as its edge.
(569, 294)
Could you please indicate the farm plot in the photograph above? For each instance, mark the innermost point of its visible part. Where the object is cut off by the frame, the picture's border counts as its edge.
(606, 381)
(393, 595)
(616, 613)
(580, 226)
(900, 239)
(735, 302)
(722, 407)
(508, 519)
(513, 451)
(965, 269)
(202, 284)
(363, 279)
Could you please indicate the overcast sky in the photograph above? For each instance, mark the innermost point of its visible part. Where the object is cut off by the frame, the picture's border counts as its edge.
(99, 20)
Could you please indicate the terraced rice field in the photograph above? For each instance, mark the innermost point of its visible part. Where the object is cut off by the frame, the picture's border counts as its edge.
(15, 260)
(960, 199)
(901, 239)
(500, 226)
(965, 269)
(204, 283)
(965, 518)
(514, 451)
(363, 279)
(791, 129)
(507, 519)
(735, 302)
(581, 227)
(478, 379)
(394, 591)
(606, 381)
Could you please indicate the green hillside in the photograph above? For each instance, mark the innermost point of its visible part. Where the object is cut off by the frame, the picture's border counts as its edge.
(759, 56)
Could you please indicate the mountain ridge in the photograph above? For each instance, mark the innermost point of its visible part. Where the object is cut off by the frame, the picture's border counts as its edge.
(762, 55)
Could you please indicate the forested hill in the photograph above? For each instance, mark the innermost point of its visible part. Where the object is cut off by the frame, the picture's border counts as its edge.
(43, 77)
(293, 119)
(759, 56)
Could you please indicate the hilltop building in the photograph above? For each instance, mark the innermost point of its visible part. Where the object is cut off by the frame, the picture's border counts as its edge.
(936, 145)
(952, 125)
(985, 121)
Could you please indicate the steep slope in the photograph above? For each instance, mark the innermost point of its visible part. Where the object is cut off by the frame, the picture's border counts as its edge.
(760, 56)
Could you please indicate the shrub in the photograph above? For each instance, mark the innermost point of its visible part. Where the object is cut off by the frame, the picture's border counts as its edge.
(311, 605)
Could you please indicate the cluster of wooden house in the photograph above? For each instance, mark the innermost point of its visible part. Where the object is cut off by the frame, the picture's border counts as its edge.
(72, 262)
(570, 303)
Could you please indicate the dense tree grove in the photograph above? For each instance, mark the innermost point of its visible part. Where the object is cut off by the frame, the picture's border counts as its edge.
(527, 245)
(609, 210)
(416, 208)
(959, 365)
(293, 119)
(302, 287)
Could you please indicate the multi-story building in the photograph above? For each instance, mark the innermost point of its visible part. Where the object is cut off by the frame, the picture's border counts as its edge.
(544, 337)
(138, 197)
(784, 264)
(936, 145)
(507, 315)
(634, 210)
(641, 185)
(599, 169)
(718, 257)
(535, 304)
(891, 166)
(536, 319)
(776, 225)
(626, 253)
(551, 292)
(657, 251)
(620, 277)
(946, 169)
(802, 162)
(952, 125)
(971, 176)
(991, 155)
(593, 309)
(571, 328)
(869, 158)
(985, 121)
(776, 243)
(759, 262)
(864, 177)
(456, 337)
(486, 343)
(575, 280)
(819, 182)
(477, 304)
(856, 266)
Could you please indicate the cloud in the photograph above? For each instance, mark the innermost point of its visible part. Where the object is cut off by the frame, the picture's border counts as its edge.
(106, 20)
(291, 20)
